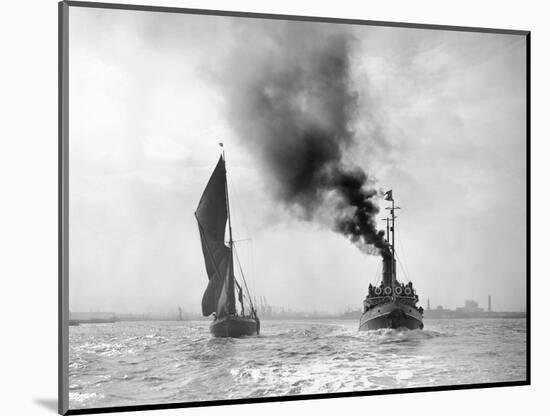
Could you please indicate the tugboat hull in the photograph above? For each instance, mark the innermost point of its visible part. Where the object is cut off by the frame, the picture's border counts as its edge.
(392, 314)
(235, 326)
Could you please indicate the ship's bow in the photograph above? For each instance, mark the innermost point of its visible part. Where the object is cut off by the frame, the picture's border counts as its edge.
(393, 314)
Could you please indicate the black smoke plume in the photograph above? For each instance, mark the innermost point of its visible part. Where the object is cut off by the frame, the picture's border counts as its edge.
(290, 97)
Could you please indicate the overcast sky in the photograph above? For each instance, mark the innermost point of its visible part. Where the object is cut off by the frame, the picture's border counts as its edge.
(441, 121)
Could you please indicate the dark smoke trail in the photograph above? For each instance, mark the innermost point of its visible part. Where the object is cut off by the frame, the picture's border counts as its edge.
(291, 100)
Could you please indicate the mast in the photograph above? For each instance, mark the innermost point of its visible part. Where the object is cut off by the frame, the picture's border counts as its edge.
(227, 203)
(389, 197)
(393, 277)
(231, 278)
(231, 281)
(387, 226)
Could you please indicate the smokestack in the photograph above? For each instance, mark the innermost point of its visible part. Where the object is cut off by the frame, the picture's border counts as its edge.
(387, 269)
(489, 304)
(294, 106)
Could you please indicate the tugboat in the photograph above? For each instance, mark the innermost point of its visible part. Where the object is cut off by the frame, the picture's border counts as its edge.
(212, 216)
(391, 304)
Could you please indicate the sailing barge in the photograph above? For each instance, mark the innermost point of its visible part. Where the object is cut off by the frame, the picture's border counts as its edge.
(212, 216)
(391, 304)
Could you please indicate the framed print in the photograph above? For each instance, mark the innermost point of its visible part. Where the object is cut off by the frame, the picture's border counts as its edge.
(264, 208)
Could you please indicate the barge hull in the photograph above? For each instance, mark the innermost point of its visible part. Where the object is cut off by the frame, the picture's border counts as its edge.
(235, 326)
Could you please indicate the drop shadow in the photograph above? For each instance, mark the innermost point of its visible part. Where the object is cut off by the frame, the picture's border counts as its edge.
(49, 404)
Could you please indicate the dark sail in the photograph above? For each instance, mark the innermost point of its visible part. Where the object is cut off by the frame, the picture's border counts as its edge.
(211, 214)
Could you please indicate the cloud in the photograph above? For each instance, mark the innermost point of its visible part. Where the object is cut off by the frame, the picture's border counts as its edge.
(439, 118)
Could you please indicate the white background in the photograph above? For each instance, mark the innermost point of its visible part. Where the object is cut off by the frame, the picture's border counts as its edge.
(28, 210)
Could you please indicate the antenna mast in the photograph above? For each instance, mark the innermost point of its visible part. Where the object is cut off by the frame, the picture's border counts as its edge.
(389, 197)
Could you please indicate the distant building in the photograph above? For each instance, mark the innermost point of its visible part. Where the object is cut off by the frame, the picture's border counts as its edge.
(471, 306)
(470, 310)
(438, 312)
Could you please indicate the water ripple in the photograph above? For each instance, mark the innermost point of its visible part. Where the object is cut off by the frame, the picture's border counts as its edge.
(146, 363)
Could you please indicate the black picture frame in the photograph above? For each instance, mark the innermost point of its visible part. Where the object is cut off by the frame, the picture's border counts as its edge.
(63, 172)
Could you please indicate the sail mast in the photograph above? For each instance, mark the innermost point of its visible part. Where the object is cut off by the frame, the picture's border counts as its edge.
(393, 277)
(227, 201)
(231, 277)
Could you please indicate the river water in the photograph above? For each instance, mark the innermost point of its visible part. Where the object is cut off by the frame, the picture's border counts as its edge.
(130, 363)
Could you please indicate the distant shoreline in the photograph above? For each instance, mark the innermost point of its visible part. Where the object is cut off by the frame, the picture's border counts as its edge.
(347, 317)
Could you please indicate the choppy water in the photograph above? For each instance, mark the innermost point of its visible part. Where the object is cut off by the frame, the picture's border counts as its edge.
(130, 363)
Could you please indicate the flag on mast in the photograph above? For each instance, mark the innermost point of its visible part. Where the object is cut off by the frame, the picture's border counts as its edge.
(389, 195)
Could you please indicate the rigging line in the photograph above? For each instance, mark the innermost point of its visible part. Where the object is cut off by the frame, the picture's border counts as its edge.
(240, 295)
(242, 219)
(402, 268)
(235, 193)
(378, 274)
(253, 266)
(244, 281)
(402, 265)
(399, 260)
(239, 286)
